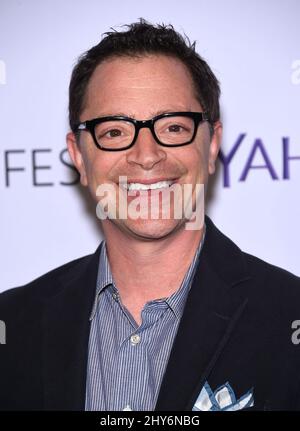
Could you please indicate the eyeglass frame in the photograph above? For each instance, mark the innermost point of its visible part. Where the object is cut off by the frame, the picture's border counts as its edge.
(89, 125)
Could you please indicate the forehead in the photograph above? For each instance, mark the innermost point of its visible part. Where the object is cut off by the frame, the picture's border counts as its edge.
(125, 85)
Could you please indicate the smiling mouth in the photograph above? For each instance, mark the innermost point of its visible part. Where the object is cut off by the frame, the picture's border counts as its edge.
(147, 184)
(152, 186)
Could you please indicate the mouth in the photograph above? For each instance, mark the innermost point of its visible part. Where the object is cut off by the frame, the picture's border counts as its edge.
(154, 184)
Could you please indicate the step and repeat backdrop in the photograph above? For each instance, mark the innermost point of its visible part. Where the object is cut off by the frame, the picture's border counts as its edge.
(253, 47)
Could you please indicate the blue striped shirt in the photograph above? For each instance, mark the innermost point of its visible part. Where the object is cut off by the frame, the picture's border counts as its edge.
(126, 362)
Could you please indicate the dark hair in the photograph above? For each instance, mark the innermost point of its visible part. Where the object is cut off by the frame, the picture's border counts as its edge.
(142, 38)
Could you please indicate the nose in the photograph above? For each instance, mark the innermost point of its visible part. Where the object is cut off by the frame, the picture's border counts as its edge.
(146, 152)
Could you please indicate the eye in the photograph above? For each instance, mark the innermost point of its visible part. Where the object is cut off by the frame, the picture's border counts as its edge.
(113, 133)
(114, 130)
(109, 134)
(175, 128)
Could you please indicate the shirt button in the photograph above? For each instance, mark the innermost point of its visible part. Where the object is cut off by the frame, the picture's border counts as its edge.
(115, 296)
(135, 339)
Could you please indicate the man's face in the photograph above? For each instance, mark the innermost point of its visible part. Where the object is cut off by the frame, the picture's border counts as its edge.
(143, 88)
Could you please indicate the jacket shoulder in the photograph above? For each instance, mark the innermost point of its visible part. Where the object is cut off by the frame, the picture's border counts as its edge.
(42, 287)
(260, 278)
(233, 263)
(273, 289)
(271, 273)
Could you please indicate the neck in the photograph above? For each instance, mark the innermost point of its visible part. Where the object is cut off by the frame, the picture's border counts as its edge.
(149, 269)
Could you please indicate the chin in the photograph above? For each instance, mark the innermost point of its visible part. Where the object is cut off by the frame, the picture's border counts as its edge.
(152, 229)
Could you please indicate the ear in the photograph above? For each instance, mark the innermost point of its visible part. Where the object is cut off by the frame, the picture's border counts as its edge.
(214, 147)
(76, 157)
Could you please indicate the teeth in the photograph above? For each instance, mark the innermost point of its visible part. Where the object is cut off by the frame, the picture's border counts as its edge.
(153, 186)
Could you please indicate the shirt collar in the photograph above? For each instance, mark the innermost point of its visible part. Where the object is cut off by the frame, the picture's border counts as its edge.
(176, 301)
(104, 277)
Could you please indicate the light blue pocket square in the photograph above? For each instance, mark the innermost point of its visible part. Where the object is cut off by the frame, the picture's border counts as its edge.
(222, 399)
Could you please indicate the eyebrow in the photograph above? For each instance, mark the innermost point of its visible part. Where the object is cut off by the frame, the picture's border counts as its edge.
(153, 114)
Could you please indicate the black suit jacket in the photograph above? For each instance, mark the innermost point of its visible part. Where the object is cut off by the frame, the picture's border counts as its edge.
(236, 328)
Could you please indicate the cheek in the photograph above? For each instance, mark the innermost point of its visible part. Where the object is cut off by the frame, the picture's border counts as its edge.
(197, 163)
(95, 168)
(96, 176)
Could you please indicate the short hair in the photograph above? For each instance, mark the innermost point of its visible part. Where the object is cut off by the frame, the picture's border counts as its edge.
(141, 39)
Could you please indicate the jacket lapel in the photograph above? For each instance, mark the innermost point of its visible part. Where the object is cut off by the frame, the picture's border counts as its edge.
(211, 312)
(66, 327)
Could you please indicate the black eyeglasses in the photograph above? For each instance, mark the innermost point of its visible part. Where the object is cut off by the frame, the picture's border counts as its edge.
(116, 133)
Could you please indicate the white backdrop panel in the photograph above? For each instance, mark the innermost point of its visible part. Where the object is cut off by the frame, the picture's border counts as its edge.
(254, 49)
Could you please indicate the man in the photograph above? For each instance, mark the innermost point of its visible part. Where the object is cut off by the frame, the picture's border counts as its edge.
(160, 317)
